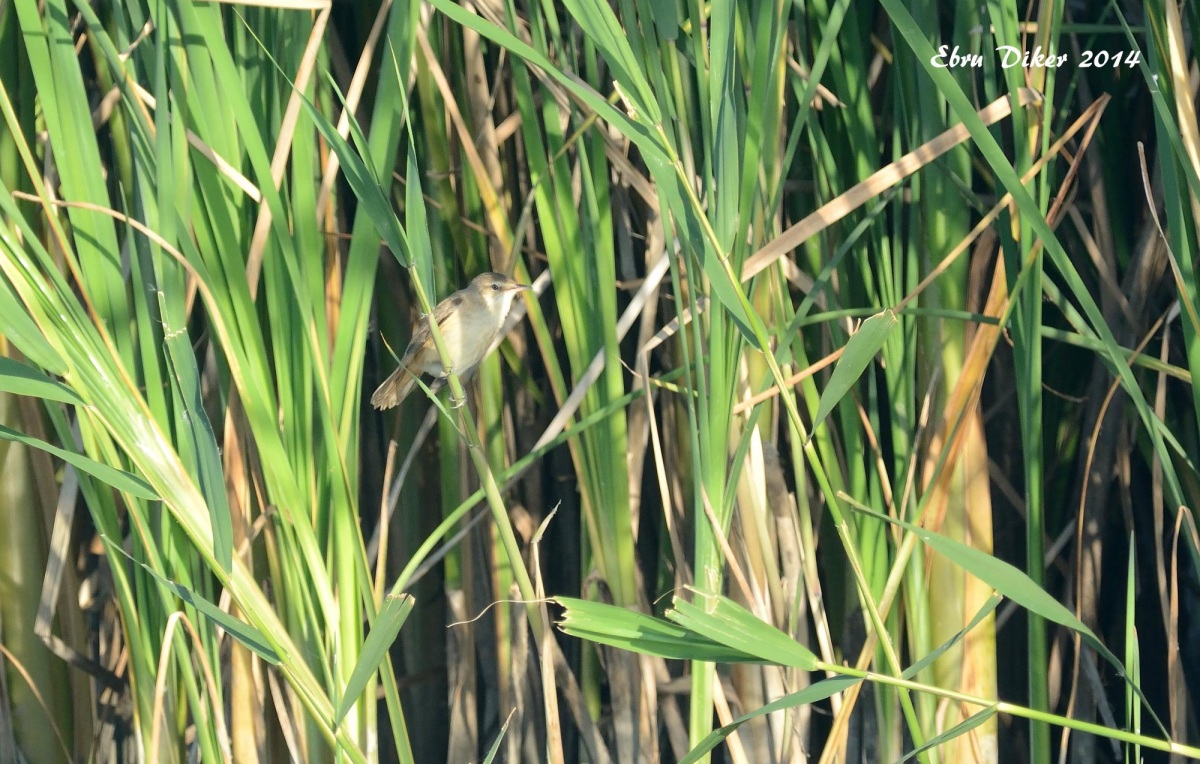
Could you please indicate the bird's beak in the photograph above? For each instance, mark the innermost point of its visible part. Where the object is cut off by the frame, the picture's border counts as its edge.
(521, 288)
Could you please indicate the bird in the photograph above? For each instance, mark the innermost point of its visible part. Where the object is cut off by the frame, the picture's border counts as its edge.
(469, 320)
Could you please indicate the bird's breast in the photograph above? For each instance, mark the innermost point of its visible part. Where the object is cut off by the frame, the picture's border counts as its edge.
(466, 347)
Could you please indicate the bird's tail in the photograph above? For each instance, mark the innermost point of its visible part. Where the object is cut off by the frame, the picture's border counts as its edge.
(394, 389)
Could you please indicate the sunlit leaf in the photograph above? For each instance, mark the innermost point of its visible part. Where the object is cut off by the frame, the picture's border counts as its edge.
(16, 377)
(641, 633)
(1013, 583)
(728, 623)
(375, 649)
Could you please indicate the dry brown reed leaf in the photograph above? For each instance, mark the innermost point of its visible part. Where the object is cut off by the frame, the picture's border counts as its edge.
(879, 181)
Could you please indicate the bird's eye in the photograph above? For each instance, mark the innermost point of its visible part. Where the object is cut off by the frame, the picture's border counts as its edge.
(495, 287)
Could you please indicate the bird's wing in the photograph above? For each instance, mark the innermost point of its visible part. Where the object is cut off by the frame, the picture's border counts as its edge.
(421, 335)
(447, 306)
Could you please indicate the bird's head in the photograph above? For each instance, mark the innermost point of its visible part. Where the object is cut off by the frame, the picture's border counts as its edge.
(497, 290)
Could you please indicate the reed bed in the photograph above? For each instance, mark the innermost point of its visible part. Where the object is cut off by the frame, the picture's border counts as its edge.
(850, 418)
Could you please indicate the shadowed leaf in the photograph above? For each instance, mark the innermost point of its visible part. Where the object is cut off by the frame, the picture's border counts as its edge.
(860, 349)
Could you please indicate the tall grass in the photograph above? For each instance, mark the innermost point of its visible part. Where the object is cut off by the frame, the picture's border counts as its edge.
(818, 325)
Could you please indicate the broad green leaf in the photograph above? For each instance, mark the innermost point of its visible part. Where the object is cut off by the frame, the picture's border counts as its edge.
(998, 574)
(962, 728)
(16, 377)
(811, 694)
(728, 137)
(641, 633)
(416, 223)
(243, 632)
(666, 19)
(724, 621)
(859, 351)
(727, 293)
(66, 118)
(374, 650)
(119, 479)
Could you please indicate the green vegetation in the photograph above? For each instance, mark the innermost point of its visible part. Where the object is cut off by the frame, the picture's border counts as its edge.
(851, 418)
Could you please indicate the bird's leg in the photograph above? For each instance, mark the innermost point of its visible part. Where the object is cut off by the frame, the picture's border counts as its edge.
(466, 379)
(443, 380)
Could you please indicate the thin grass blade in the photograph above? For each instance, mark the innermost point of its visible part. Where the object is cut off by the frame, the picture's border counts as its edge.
(987, 609)
(957, 730)
(826, 688)
(243, 632)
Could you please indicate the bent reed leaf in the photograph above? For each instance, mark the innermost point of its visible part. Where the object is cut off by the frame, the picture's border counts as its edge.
(243, 632)
(119, 479)
(21, 379)
(641, 633)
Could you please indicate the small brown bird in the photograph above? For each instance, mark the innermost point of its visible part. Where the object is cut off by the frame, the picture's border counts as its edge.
(469, 320)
